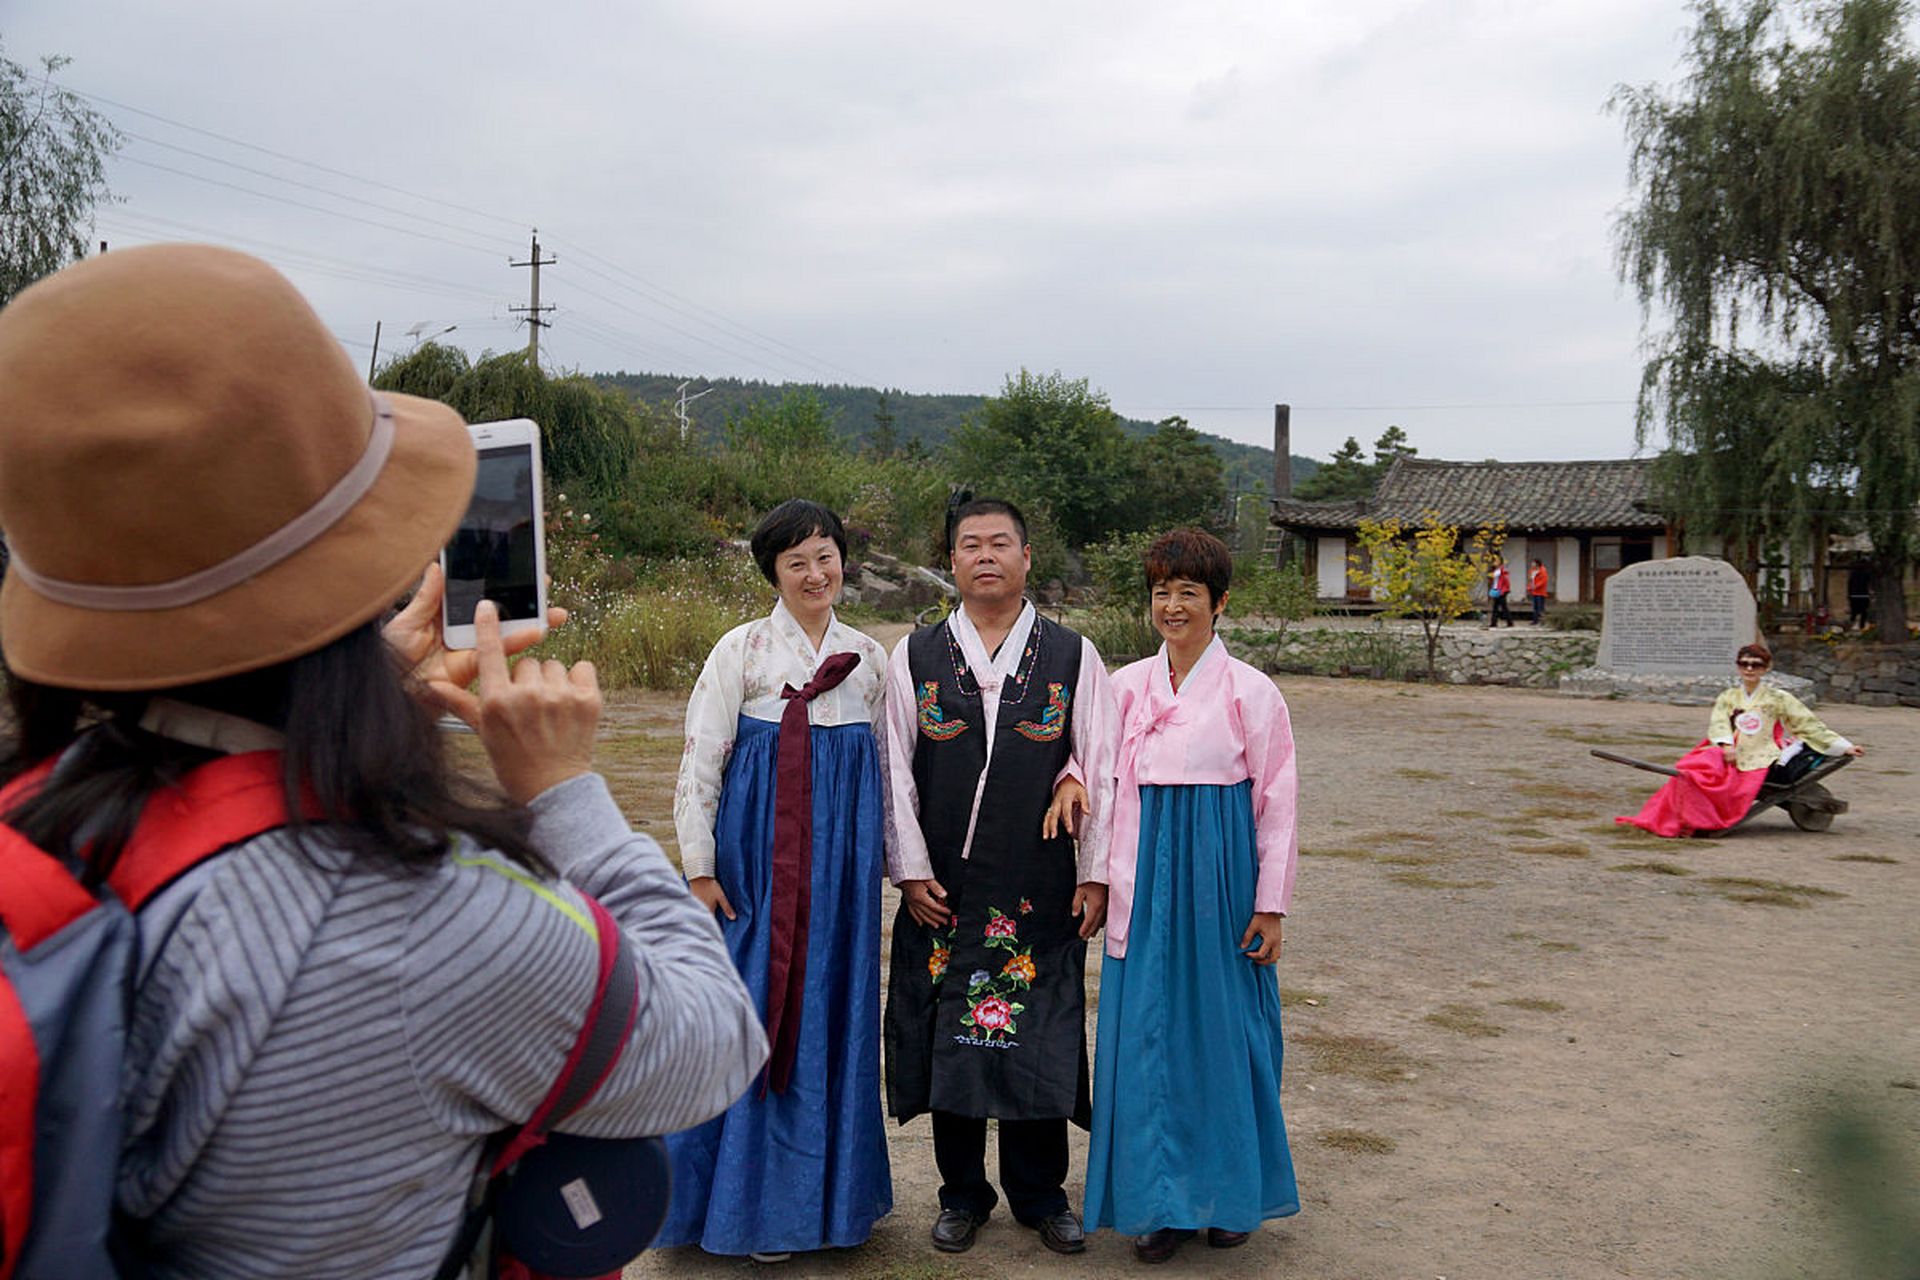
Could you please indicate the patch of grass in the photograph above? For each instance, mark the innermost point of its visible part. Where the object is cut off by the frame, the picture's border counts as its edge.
(1466, 1019)
(1566, 813)
(1560, 791)
(1421, 880)
(1653, 868)
(1626, 833)
(1462, 813)
(1423, 775)
(1733, 886)
(1895, 773)
(1865, 857)
(1510, 772)
(1559, 946)
(1367, 1057)
(1291, 996)
(1338, 851)
(1523, 831)
(1624, 738)
(1358, 1141)
(1558, 849)
(882, 1268)
(1406, 837)
(1411, 859)
(1521, 935)
(1534, 1004)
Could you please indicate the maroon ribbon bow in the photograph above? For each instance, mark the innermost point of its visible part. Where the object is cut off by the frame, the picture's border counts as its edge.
(791, 899)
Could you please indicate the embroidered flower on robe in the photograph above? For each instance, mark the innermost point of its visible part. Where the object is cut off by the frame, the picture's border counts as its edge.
(1020, 968)
(993, 1014)
(1001, 926)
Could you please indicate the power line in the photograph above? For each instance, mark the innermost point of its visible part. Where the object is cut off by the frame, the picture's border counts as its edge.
(725, 350)
(650, 292)
(646, 287)
(301, 204)
(1380, 408)
(516, 223)
(425, 284)
(304, 186)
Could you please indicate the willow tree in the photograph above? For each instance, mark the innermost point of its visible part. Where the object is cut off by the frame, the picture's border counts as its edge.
(53, 154)
(1774, 231)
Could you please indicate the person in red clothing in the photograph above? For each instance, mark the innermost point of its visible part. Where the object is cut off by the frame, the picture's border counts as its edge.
(1537, 590)
(1499, 588)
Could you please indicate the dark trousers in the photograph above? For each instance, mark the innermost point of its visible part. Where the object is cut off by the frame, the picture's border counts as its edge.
(1497, 609)
(1539, 608)
(1033, 1165)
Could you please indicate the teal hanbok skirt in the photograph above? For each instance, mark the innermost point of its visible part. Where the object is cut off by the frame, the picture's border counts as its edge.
(1187, 1127)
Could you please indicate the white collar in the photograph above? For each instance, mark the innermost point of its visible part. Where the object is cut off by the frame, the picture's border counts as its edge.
(999, 664)
(783, 620)
(1164, 669)
(205, 727)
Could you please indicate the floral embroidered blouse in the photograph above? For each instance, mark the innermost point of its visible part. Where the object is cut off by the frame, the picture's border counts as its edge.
(743, 676)
(1747, 719)
(1227, 724)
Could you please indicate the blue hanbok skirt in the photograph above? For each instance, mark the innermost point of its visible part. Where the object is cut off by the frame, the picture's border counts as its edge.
(804, 1169)
(1187, 1128)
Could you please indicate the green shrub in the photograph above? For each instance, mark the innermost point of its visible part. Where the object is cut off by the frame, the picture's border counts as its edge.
(1263, 590)
(1118, 632)
(656, 631)
(1117, 569)
(1573, 617)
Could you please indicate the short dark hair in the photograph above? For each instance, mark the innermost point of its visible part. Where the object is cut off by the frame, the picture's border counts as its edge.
(790, 524)
(1759, 651)
(1193, 554)
(984, 507)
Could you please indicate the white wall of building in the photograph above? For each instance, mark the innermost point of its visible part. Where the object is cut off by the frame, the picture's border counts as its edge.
(1330, 556)
(1566, 570)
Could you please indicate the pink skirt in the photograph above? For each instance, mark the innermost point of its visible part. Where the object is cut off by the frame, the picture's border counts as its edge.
(1709, 795)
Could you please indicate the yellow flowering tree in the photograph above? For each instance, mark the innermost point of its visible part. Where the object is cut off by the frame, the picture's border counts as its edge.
(1428, 574)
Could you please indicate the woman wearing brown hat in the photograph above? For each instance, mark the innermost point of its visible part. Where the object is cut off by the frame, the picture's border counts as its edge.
(330, 1019)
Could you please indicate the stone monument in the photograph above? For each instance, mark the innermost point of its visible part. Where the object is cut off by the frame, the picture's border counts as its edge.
(1668, 633)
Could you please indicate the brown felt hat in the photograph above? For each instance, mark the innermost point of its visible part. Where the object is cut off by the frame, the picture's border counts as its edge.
(194, 479)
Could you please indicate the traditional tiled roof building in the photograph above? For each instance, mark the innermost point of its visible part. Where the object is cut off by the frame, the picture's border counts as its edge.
(1584, 520)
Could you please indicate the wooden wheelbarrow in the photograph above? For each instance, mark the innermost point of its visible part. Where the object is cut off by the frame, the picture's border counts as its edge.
(1811, 806)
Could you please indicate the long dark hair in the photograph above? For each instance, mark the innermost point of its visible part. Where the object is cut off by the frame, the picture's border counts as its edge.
(357, 743)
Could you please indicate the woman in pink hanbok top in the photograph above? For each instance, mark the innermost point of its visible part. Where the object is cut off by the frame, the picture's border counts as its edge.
(1200, 873)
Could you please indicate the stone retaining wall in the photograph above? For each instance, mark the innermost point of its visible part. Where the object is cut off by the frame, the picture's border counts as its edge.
(1873, 675)
(1394, 650)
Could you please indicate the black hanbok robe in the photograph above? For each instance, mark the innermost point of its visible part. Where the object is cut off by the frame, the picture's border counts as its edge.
(987, 1017)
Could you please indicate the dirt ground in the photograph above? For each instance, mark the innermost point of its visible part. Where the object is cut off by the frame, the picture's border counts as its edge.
(1522, 1042)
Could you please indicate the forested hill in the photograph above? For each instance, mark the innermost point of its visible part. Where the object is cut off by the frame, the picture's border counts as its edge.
(868, 415)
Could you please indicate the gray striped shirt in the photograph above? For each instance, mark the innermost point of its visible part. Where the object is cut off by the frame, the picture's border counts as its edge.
(319, 1048)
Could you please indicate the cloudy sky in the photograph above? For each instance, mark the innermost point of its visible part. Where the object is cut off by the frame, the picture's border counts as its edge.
(1379, 211)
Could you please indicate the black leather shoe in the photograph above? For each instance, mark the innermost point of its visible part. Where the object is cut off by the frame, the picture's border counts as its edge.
(1061, 1232)
(1158, 1246)
(954, 1230)
(1226, 1239)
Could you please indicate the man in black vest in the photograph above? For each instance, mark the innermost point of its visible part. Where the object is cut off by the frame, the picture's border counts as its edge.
(1000, 738)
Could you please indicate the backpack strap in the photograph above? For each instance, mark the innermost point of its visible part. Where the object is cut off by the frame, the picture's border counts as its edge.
(609, 1022)
(616, 1002)
(218, 805)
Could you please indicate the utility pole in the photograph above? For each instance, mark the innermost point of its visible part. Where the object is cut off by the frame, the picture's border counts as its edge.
(533, 307)
(680, 410)
(374, 359)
